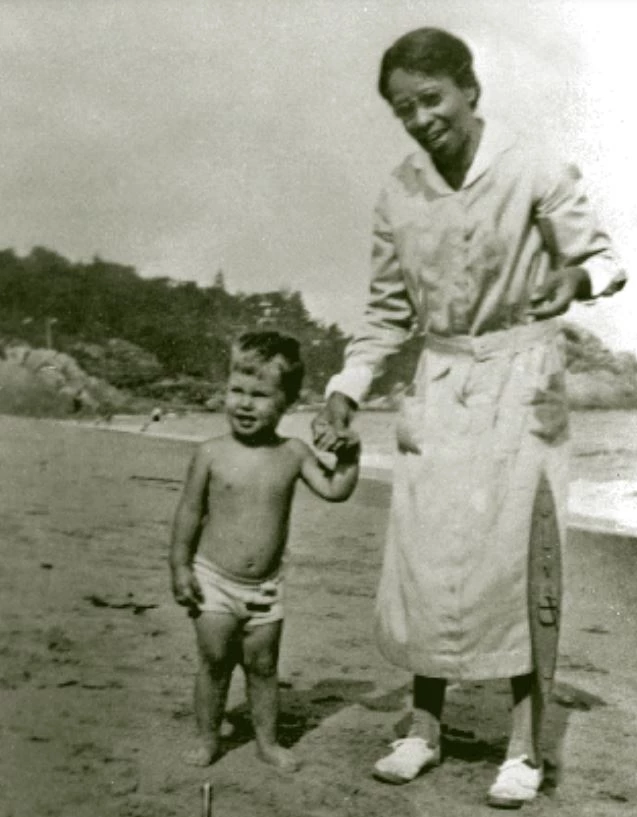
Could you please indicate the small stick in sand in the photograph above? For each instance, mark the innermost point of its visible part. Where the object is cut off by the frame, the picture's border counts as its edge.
(206, 793)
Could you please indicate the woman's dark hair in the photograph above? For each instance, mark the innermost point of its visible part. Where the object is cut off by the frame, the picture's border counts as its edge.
(252, 349)
(430, 51)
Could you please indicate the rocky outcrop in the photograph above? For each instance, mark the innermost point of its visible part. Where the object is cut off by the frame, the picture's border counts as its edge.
(43, 382)
(121, 363)
(598, 378)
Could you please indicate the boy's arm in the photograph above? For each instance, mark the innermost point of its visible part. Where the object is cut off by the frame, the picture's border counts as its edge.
(338, 483)
(185, 530)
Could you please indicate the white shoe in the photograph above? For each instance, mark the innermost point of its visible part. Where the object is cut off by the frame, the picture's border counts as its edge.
(410, 757)
(517, 783)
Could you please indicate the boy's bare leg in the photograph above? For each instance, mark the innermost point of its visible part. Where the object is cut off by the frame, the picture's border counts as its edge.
(217, 656)
(429, 699)
(526, 718)
(260, 657)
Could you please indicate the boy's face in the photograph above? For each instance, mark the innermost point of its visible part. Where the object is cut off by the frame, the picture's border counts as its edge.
(255, 401)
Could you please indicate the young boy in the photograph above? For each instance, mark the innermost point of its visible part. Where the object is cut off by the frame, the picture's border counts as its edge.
(230, 532)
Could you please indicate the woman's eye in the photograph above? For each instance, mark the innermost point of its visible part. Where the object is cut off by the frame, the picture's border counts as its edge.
(404, 111)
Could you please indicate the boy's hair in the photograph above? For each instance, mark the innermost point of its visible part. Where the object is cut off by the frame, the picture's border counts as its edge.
(252, 349)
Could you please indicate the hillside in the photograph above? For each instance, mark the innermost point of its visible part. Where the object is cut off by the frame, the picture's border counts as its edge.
(153, 337)
(122, 337)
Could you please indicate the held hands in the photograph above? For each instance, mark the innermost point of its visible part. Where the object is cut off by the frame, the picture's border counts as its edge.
(555, 295)
(330, 427)
(186, 588)
(348, 447)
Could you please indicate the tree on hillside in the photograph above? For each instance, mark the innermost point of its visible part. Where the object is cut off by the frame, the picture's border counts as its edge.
(185, 328)
(220, 280)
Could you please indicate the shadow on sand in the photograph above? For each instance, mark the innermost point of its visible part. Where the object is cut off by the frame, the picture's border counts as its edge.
(475, 728)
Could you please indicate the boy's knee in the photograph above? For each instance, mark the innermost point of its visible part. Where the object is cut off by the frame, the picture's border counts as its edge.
(215, 667)
(216, 662)
(262, 665)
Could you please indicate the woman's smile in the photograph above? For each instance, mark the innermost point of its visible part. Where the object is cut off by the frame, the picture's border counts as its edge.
(435, 138)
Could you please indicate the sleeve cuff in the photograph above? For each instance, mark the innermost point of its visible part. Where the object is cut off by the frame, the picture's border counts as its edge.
(354, 382)
(604, 282)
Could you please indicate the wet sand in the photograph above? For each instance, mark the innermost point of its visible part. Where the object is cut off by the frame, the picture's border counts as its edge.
(96, 661)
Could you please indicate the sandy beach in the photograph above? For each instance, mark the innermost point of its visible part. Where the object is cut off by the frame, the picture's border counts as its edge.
(97, 660)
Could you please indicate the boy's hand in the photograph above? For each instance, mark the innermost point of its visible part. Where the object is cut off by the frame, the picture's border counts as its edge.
(347, 447)
(186, 588)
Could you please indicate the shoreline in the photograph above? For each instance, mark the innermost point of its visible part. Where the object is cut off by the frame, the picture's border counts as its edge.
(608, 506)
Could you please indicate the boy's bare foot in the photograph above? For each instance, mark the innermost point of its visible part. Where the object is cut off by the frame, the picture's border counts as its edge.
(202, 755)
(283, 759)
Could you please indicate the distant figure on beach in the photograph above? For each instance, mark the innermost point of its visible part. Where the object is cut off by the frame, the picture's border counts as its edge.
(155, 417)
(481, 239)
(230, 532)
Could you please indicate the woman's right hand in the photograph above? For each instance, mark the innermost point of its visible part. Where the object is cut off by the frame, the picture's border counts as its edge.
(332, 421)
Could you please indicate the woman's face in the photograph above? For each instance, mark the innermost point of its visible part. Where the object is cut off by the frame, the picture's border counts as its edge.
(435, 111)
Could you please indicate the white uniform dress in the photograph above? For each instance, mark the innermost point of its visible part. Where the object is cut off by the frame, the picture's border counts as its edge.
(488, 413)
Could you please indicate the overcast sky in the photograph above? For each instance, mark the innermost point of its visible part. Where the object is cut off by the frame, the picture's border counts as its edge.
(182, 137)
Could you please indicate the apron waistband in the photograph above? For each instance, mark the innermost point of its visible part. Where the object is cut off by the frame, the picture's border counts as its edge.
(491, 344)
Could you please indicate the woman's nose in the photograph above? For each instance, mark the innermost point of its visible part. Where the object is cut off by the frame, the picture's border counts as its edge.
(421, 116)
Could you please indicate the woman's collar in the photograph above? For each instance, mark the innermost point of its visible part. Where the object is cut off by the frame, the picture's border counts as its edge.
(496, 139)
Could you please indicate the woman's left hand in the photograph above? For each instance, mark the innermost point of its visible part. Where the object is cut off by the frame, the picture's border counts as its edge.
(555, 295)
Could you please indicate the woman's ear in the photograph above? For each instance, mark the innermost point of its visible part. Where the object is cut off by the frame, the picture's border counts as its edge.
(471, 95)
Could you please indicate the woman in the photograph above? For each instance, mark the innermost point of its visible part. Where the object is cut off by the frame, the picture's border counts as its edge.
(479, 241)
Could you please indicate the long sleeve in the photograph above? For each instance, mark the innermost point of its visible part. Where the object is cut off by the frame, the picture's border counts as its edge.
(572, 232)
(387, 318)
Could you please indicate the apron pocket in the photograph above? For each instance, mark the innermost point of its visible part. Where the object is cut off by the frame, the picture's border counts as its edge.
(550, 409)
(409, 425)
(548, 400)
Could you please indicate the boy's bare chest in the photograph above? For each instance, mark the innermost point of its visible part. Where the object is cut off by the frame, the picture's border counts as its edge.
(255, 475)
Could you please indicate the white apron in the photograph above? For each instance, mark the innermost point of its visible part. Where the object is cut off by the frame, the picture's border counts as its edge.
(489, 416)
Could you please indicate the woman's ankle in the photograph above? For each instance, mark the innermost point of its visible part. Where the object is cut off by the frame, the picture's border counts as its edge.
(522, 748)
(426, 726)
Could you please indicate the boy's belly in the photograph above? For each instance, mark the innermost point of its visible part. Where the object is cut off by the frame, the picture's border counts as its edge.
(253, 551)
